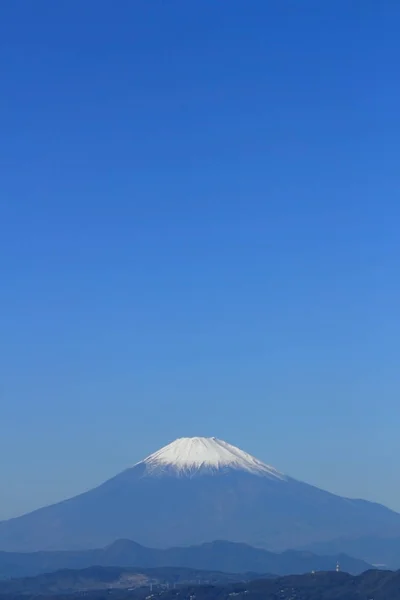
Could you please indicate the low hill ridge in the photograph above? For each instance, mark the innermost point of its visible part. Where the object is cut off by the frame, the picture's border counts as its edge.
(220, 555)
(142, 584)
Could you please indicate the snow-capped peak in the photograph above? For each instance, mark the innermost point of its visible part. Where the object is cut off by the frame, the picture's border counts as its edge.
(188, 456)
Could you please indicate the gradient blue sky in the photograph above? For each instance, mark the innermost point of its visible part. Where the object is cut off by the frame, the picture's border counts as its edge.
(199, 218)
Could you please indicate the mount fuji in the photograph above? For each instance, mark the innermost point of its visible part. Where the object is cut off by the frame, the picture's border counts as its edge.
(197, 490)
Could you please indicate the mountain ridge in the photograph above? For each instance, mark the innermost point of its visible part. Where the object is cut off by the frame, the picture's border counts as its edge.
(220, 555)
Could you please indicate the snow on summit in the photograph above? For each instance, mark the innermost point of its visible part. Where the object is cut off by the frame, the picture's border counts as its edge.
(205, 455)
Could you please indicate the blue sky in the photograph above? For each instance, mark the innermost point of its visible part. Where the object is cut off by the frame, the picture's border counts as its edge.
(199, 214)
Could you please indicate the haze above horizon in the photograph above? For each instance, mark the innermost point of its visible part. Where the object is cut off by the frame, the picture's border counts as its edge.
(199, 223)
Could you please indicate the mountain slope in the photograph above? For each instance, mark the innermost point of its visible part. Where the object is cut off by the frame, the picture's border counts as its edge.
(193, 491)
(221, 556)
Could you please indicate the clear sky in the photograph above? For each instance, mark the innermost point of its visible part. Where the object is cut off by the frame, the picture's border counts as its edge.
(199, 235)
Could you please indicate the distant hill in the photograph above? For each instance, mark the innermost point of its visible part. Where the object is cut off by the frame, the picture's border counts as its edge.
(116, 578)
(223, 556)
(375, 550)
(98, 583)
(193, 491)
